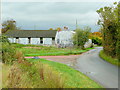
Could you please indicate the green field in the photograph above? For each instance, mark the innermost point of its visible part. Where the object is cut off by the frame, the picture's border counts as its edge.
(109, 59)
(36, 50)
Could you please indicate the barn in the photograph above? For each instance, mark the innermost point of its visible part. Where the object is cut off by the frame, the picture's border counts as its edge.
(40, 37)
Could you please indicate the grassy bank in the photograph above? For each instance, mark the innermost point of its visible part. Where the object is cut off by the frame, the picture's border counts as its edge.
(37, 50)
(40, 73)
(109, 59)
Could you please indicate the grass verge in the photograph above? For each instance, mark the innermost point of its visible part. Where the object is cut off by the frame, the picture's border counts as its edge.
(109, 59)
(72, 78)
(41, 73)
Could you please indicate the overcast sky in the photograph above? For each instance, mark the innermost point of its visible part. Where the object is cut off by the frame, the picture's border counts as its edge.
(45, 15)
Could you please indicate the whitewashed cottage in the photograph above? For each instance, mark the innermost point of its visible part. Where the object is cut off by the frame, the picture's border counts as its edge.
(40, 37)
(64, 38)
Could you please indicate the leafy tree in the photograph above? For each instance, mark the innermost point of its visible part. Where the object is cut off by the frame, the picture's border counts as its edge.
(96, 38)
(51, 29)
(58, 29)
(4, 39)
(81, 36)
(9, 25)
(109, 17)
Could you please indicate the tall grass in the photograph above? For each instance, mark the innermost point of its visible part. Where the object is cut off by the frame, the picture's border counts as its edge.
(41, 73)
(33, 75)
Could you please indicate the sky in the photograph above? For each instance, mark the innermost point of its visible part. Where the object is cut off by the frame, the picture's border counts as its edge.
(38, 15)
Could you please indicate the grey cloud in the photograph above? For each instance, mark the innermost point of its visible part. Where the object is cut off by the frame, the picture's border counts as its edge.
(53, 14)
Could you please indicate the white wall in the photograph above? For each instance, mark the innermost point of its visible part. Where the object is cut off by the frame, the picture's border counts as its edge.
(35, 40)
(65, 37)
(47, 41)
(88, 43)
(23, 40)
(12, 40)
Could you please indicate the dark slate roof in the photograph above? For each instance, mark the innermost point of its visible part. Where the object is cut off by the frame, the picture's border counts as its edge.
(31, 33)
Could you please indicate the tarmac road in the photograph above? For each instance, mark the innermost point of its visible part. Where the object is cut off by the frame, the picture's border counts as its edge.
(97, 69)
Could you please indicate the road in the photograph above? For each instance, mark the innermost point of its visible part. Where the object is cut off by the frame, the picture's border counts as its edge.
(97, 69)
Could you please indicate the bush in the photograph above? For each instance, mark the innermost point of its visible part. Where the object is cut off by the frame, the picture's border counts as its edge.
(81, 36)
(3, 39)
(9, 52)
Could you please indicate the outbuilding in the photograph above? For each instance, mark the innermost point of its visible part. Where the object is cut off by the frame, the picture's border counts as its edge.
(40, 37)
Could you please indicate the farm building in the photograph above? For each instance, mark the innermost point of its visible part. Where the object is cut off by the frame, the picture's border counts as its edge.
(64, 38)
(45, 37)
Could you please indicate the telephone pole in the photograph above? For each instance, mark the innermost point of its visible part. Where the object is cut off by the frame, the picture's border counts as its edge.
(76, 24)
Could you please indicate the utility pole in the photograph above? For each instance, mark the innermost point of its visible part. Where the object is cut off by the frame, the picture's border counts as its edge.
(76, 24)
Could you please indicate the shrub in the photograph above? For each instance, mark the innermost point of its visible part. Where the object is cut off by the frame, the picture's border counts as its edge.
(9, 52)
(3, 39)
(81, 36)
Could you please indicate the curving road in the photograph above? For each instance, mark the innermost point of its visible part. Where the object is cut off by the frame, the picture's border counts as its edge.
(97, 69)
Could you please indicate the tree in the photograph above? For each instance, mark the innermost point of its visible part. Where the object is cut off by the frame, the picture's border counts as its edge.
(9, 25)
(96, 38)
(51, 29)
(58, 29)
(4, 39)
(110, 29)
(81, 36)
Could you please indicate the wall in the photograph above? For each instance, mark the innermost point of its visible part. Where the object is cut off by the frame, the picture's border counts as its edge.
(47, 41)
(64, 37)
(12, 40)
(35, 40)
(88, 43)
(23, 40)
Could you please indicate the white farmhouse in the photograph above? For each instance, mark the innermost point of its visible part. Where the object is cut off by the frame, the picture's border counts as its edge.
(40, 37)
(64, 38)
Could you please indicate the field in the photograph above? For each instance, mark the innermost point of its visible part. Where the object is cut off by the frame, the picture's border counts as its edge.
(36, 50)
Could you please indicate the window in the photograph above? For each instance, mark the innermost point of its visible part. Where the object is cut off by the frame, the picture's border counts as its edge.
(29, 40)
(41, 40)
(53, 38)
(17, 39)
